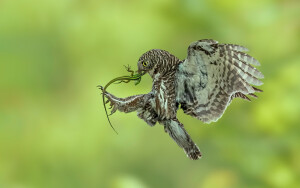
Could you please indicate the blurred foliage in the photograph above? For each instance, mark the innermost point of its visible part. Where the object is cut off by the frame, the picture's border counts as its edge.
(53, 129)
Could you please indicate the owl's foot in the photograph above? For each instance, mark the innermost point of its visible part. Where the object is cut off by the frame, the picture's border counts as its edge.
(113, 104)
(110, 99)
(100, 87)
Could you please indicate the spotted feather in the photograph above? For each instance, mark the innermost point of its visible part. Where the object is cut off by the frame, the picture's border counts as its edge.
(224, 70)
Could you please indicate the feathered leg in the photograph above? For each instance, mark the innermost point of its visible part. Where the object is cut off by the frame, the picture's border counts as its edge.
(128, 104)
(182, 138)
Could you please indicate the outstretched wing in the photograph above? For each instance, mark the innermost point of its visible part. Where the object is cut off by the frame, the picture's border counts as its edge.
(212, 75)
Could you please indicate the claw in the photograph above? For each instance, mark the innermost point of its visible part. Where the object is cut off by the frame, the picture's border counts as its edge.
(113, 110)
(100, 87)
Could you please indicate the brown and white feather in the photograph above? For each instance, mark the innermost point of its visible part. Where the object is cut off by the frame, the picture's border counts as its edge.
(212, 75)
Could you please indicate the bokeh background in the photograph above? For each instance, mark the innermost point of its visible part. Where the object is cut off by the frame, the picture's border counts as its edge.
(53, 129)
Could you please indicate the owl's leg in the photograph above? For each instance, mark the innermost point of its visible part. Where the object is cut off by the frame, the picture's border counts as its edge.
(128, 104)
(182, 138)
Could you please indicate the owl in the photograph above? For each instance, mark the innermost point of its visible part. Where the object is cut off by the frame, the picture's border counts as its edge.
(202, 85)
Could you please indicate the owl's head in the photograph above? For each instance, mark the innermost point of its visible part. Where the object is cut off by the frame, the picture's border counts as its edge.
(156, 62)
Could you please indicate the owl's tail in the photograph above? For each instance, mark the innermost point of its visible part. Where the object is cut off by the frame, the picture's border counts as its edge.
(182, 138)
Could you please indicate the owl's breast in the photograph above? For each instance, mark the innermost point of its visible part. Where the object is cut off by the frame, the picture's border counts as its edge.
(164, 101)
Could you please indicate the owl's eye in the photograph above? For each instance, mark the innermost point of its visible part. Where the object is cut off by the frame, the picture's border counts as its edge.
(144, 63)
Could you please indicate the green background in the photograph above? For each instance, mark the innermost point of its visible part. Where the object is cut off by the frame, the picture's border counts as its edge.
(53, 130)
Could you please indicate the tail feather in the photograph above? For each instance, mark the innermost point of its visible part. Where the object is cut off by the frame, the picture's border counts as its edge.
(182, 138)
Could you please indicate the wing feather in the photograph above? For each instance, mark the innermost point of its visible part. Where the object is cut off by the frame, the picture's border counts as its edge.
(246, 58)
(247, 68)
(235, 47)
(212, 75)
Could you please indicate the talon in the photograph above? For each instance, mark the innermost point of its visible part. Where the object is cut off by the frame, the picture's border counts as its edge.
(113, 110)
(106, 101)
(100, 87)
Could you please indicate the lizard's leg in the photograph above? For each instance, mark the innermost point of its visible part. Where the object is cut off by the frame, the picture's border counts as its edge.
(128, 68)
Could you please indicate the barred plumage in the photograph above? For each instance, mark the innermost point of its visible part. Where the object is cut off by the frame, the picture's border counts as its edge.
(203, 84)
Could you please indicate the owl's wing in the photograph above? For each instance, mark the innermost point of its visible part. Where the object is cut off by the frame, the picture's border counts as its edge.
(212, 75)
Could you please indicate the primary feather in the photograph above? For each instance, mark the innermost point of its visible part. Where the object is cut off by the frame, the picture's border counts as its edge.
(212, 75)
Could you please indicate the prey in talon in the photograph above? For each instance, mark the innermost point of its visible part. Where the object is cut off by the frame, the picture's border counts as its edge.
(202, 85)
(125, 79)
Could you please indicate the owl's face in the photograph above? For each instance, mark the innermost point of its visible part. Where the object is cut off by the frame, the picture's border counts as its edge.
(147, 62)
(156, 62)
(144, 66)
